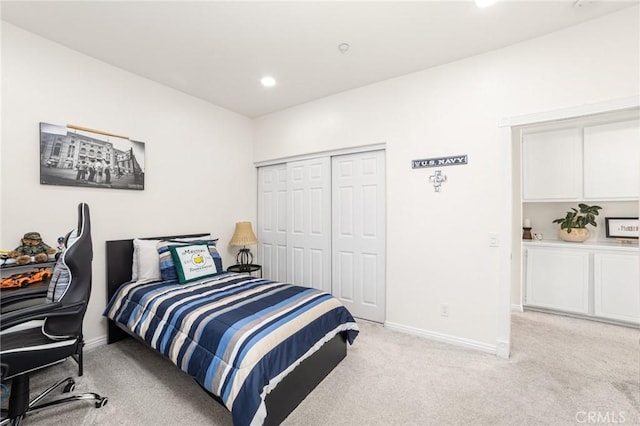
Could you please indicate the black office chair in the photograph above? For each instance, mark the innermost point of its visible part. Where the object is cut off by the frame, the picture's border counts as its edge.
(38, 336)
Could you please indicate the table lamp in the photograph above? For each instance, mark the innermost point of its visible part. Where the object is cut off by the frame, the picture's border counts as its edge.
(243, 236)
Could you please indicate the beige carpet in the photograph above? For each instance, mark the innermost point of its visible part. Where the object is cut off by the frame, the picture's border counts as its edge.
(562, 371)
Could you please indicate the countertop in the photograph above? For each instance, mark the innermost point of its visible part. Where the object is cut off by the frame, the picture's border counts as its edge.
(595, 244)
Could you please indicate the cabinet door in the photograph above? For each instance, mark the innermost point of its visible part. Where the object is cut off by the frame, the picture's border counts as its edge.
(612, 160)
(558, 279)
(616, 285)
(552, 165)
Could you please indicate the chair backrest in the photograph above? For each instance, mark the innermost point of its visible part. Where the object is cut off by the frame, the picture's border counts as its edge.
(71, 280)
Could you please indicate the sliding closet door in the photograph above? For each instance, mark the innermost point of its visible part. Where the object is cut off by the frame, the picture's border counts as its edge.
(272, 221)
(358, 236)
(309, 223)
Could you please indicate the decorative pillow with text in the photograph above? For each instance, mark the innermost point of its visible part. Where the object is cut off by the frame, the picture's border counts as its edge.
(167, 266)
(192, 262)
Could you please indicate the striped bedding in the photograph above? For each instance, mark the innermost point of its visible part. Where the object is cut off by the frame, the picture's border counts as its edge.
(238, 336)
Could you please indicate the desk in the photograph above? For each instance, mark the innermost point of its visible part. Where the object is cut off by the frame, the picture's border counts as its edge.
(20, 297)
(7, 270)
(249, 268)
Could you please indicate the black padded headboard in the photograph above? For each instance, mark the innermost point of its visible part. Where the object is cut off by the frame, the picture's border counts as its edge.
(119, 262)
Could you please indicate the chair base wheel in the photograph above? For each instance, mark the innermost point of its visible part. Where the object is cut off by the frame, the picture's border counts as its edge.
(69, 387)
(37, 403)
(102, 402)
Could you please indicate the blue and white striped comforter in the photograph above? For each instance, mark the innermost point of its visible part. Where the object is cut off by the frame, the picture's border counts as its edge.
(238, 336)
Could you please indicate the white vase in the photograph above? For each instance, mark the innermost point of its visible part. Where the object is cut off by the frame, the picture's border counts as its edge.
(577, 235)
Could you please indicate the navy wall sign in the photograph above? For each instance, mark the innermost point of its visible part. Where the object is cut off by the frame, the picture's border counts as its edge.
(454, 160)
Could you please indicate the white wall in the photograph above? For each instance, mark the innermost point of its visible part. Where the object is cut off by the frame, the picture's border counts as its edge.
(199, 170)
(437, 243)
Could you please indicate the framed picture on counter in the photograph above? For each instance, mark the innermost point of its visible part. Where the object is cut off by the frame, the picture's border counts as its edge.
(621, 227)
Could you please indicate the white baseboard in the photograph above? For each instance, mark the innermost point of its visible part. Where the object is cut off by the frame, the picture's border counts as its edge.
(516, 308)
(458, 341)
(95, 343)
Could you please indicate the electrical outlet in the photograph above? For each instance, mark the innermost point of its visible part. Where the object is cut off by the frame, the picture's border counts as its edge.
(493, 240)
(444, 310)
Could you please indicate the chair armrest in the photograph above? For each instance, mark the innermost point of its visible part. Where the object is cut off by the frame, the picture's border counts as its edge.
(37, 312)
(12, 297)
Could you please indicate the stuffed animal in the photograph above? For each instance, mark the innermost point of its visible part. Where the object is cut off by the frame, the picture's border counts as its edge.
(32, 247)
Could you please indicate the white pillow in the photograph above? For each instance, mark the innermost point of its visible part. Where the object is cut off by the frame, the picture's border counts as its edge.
(145, 264)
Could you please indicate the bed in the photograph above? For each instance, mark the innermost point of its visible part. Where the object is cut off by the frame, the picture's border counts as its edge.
(257, 346)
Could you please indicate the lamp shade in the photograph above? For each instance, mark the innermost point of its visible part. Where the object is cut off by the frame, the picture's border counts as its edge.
(243, 235)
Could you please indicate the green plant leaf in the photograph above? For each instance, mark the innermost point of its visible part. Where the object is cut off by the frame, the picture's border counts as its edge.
(579, 218)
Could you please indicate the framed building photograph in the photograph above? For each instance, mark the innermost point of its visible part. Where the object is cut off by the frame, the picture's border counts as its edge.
(76, 156)
(622, 227)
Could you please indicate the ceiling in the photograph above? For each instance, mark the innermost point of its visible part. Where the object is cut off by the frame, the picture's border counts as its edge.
(218, 51)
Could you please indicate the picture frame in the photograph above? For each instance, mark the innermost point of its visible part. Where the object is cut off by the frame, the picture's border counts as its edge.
(621, 227)
(78, 156)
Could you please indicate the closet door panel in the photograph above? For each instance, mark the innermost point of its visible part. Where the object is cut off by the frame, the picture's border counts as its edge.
(358, 235)
(309, 223)
(272, 221)
(370, 296)
(344, 269)
(322, 225)
(297, 212)
(296, 260)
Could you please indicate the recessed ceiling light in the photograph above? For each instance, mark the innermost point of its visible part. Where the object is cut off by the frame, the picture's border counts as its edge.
(485, 3)
(268, 81)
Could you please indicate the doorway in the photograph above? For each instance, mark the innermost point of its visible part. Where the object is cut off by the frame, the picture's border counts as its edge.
(512, 267)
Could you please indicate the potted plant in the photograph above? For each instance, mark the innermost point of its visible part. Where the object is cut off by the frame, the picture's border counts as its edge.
(573, 227)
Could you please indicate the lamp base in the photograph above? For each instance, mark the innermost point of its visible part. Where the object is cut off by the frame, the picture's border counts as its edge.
(244, 257)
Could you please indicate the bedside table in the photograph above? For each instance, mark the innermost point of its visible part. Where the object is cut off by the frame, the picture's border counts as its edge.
(249, 268)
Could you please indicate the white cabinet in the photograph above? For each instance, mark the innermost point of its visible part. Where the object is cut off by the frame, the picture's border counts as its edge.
(617, 286)
(612, 161)
(552, 165)
(558, 279)
(584, 162)
(598, 280)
